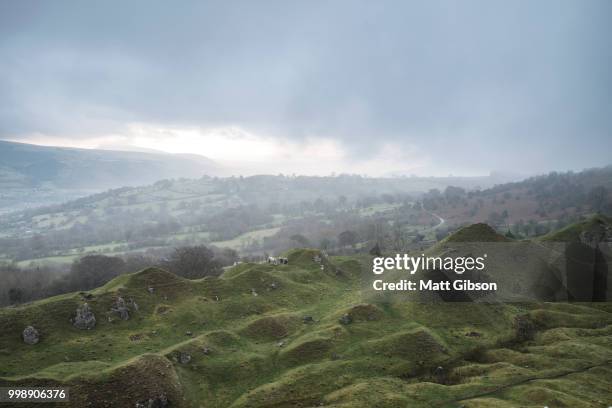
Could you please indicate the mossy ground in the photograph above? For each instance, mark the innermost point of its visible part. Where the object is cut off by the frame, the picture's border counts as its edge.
(256, 351)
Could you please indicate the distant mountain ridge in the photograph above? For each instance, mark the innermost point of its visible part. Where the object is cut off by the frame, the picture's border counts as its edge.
(32, 175)
(70, 168)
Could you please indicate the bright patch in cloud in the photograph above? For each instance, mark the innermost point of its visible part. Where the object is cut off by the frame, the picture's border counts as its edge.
(243, 152)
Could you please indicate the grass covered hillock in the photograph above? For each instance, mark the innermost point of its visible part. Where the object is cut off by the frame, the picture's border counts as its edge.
(276, 336)
(476, 233)
(598, 224)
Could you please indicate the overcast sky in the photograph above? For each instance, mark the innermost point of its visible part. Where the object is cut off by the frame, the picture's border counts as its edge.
(461, 87)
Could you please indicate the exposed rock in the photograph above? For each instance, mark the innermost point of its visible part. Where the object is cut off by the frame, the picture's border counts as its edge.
(184, 358)
(273, 285)
(346, 319)
(206, 350)
(307, 319)
(524, 329)
(121, 309)
(151, 289)
(188, 333)
(160, 401)
(440, 374)
(30, 335)
(136, 337)
(85, 319)
(596, 234)
(280, 344)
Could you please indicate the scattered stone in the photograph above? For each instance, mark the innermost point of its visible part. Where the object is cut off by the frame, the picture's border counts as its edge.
(160, 401)
(206, 350)
(184, 358)
(188, 333)
(85, 319)
(121, 309)
(30, 335)
(307, 319)
(253, 292)
(335, 356)
(316, 259)
(440, 374)
(280, 344)
(273, 285)
(151, 289)
(135, 305)
(346, 319)
(136, 337)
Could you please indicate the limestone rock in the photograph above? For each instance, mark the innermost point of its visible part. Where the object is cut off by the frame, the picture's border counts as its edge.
(120, 307)
(30, 335)
(346, 319)
(160, 401)
(85, 319)
(184, 358)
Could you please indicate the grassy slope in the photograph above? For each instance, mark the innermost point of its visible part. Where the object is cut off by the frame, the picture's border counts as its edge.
(386, 357)
(571, 233)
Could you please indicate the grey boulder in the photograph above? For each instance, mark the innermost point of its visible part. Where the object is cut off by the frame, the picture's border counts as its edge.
(30, 335)
(85, 319)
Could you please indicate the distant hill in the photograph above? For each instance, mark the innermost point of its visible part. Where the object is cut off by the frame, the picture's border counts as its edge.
(555, 197)
(39, 166)
(31, 174)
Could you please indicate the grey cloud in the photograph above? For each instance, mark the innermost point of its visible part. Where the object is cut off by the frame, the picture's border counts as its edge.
(484, 85)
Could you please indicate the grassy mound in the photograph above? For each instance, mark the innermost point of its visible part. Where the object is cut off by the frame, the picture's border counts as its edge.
(271, 327)
(242, 340)
(476, 233)
(365, 312)
(571, 233)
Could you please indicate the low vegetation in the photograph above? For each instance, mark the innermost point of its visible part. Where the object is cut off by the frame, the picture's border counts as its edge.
(263, 335)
